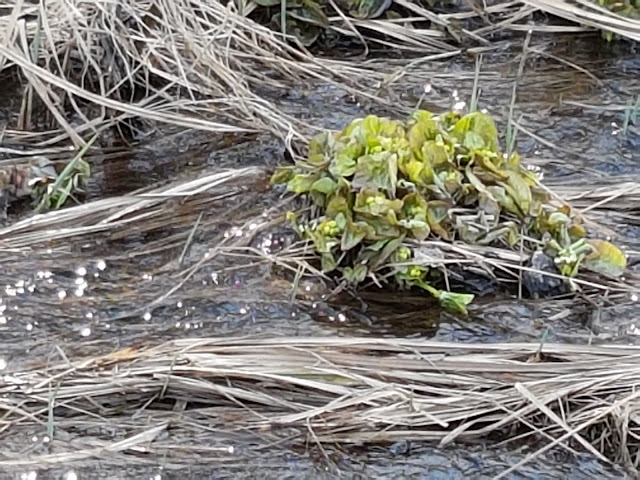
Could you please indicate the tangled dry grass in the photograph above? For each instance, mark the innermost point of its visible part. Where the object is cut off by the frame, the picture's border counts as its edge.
(205, 65)
(327, 390)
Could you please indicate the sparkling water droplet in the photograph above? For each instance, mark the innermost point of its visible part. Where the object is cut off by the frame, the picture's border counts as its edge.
(459, 106)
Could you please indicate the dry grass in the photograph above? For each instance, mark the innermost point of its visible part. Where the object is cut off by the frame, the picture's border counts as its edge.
(149, 208)
(193, 64)
(203, 65)
(331, 390)
(589, 14)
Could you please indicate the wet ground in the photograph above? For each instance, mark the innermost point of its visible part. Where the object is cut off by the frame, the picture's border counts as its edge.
(94, 294)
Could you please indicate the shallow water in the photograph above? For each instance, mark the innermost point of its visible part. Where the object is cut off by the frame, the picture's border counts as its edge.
(94, 294)
(398, 462)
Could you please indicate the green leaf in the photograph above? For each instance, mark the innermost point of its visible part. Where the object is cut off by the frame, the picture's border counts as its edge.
(302, 182)
(338, 203)
(451, 181)
(343, 164)
(505, 201)
(606, 259)
(353, 234)
(341, 221)
(473, 140)
(419, 229)
(489, 161)
(507, 231)
(314, 13)
(370, 132)
(413, 170)
(322, 148)
(486, 201)
(356, 274)
(437, 153)
(576, 232)
(378, 245)
(424, 129)
(328, 263)
(437, 213)
(519, 190)
(482, 128)
(377, 172)
(455, 302)
(324, 185)
(389, 247)
(382, 227)
(282, 175)
(318, 199)
(556, 219)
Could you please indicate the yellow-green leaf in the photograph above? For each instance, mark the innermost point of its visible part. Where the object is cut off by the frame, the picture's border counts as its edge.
(455, 302)
(606, 259)
(328, 262)
(519, 190)
(324, 185)
(282, 175)
(354, 233)
(302, 182)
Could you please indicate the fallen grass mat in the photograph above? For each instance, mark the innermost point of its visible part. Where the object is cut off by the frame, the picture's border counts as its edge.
(335, 390)
(206, 65)
(591, 13)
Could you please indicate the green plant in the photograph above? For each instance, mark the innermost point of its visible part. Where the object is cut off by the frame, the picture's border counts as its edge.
(381, 187)
(52, 190)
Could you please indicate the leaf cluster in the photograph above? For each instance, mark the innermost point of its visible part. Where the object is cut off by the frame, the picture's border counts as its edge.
(381, 187)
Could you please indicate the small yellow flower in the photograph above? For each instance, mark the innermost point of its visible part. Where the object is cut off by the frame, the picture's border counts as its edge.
(415, 272)
(404, 254)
